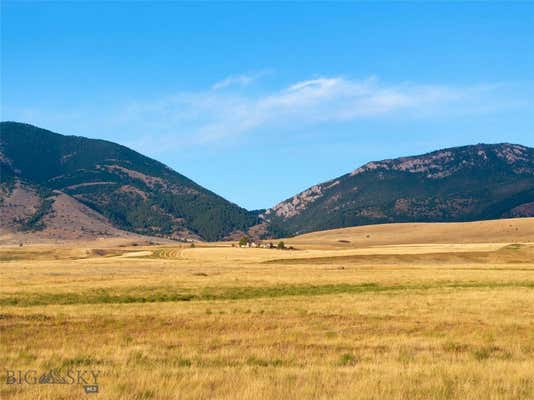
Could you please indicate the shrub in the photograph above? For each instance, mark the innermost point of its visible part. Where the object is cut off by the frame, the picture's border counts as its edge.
(347, 359)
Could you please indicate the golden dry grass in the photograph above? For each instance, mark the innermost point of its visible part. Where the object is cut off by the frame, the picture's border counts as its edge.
(442, 320)
(496, 231)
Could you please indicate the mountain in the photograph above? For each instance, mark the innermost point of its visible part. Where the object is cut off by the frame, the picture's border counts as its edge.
(72, 187)
(94, 188)
(484, 181)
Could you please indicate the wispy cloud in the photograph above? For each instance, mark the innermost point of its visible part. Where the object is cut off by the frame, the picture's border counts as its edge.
(212, 115)
(239, 80)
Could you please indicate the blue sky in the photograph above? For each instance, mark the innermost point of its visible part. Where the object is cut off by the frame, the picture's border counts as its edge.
(259, 101)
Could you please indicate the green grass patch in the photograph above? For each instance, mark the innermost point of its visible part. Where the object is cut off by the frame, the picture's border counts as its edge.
(347, 359)
(172, 294)
(260, 362)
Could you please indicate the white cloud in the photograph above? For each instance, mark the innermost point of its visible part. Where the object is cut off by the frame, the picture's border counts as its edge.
(239, 80)
(212, 115)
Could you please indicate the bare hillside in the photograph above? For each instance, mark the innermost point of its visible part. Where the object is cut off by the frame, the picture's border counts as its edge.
(64, 219)
(495, 231)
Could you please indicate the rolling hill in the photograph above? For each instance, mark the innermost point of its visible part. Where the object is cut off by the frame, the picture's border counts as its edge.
(75, 187)
(479, 182)
(508, 230)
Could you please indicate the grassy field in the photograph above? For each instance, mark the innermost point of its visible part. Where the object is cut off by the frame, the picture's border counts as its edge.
(427, 315)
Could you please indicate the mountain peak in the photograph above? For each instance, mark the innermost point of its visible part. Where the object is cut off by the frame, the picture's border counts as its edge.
(442, 163)
(130, 191)
(479, 181)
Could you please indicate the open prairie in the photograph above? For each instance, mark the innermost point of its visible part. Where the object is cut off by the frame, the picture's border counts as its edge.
(407, 311)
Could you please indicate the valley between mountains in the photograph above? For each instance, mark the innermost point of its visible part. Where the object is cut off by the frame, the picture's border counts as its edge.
(60, 188)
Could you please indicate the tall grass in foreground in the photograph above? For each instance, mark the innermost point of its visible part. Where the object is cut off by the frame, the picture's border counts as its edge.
(218, 326)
